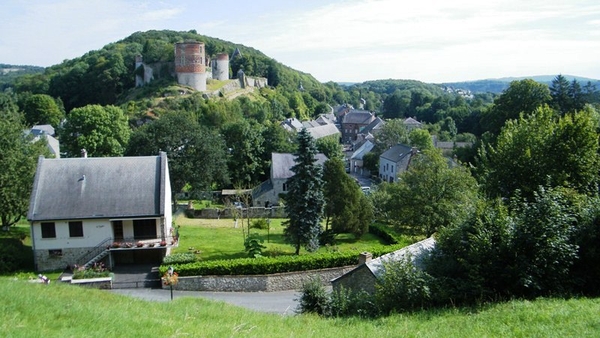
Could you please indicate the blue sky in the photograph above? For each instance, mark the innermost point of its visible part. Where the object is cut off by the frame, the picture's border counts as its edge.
(334, 40)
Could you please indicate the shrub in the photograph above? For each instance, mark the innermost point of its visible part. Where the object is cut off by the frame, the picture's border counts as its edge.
(384, 233)
(269, 265)
(12, 255)
(179, 258)
(96, 271)
(313, 298)
(402, 287)
(345, 303)
(253, 245)
(260, 223)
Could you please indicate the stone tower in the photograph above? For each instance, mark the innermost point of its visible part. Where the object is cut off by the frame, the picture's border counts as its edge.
(189, 64)
(220, 67)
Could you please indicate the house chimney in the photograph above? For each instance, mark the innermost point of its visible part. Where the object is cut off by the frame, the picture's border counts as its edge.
(364, 257)
(83, 153)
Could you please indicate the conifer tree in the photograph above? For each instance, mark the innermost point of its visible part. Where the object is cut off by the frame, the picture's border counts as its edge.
(304, 199)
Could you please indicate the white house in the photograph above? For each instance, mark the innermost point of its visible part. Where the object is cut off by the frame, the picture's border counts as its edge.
(395, 161)
(117, 209)
(281, 164)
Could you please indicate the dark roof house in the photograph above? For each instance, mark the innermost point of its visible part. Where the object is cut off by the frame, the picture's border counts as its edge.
(78, 203)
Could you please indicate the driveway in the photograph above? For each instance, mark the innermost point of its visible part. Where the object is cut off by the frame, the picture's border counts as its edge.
(281, 302)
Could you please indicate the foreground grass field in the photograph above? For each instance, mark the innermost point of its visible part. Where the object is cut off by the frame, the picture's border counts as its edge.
(56, 310)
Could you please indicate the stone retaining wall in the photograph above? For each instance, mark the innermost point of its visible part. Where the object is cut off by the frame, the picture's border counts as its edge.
(257, 283)
(255, 212)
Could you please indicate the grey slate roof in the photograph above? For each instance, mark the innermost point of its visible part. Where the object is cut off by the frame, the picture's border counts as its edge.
(282, 163)
(43, 128)
(415, 251)
(364, 149)
(375, 125)
(323, 131)
(358, 117)
(99, 187)
(397, 152)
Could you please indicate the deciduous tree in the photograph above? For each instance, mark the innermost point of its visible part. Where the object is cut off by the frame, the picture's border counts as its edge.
(101, 131)
(18, 160)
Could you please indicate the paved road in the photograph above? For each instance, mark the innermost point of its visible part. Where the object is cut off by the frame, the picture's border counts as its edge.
(281, 302)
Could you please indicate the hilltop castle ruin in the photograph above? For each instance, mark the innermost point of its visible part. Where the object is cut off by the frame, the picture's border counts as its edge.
(192, 68)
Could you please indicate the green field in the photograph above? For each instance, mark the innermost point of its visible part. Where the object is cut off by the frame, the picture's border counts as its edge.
(220, 239)
(59, 310)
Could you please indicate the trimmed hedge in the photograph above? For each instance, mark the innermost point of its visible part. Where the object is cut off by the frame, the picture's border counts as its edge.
(271, 265)
(384, 233)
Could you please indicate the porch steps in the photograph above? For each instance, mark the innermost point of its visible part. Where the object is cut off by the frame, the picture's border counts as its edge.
(96, 259)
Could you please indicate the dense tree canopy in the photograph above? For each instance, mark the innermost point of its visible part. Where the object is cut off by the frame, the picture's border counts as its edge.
(18, 160)
(197, 156)
(346, 205)
(101, 131)
(542, 150)
(430, 195)
(41, 109)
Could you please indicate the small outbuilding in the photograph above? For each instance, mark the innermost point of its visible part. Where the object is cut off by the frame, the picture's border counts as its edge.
(365, 275)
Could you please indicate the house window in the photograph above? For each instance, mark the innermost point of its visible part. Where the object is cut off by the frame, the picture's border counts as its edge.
(55, 252)
(48, 230)
(392, 169)
(285, 187)
(117, 229)
(144, 229)
(76, 229)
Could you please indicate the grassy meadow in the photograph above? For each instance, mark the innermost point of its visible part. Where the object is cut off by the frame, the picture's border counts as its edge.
(220, 239)
(58, 310)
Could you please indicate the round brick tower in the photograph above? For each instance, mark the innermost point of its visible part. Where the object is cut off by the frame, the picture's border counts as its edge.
(220, 69)
(189, 64)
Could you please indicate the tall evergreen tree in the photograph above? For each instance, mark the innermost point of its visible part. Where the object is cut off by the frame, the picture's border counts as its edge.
(304, 200)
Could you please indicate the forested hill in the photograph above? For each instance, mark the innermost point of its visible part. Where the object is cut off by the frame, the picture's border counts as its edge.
(496, 86)
(105, 76)
(8, 73)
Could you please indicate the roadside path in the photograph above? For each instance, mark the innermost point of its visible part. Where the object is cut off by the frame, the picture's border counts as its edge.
(281, 302)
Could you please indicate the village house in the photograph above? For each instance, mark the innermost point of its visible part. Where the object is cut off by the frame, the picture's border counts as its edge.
(269, 191)
(353, 122)
(115, 209)
(394, 161)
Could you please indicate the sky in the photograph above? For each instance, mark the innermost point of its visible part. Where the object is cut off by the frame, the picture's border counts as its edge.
(334, 40)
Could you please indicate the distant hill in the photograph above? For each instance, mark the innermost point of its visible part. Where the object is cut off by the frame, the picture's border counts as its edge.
(498, 85)
(8, 73)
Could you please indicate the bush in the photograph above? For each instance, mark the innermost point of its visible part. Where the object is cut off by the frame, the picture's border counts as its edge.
(260, 223)
(313, 298)
(180, 258)
(345, 303)
(12, 255)
(402, 287)
(253, 245)
(384, 233)
(270, 265)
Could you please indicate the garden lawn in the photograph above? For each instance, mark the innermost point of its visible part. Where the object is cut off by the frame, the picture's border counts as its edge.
(219, 239)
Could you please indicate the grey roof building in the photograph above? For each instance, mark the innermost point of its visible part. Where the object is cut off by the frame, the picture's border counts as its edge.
(79, 203)
(281, 170)
(365, 275)
(395, 161)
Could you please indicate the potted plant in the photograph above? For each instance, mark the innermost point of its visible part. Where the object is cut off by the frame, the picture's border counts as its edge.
(163, 243)
(139, 244)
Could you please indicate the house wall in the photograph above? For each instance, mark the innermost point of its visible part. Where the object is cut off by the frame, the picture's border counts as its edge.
(359, 279)
(57, 253)
(271, 195)
(389, 170)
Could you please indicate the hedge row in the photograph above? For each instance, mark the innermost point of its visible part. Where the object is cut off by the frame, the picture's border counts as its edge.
(383, 232)
(271, 265)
